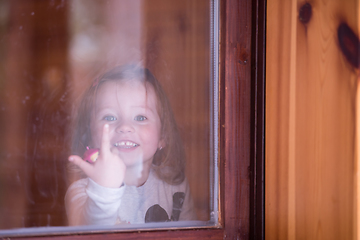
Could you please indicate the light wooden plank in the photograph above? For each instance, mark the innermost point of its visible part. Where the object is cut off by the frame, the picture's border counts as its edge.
(310, 126)
(277, 120)
(292, 126)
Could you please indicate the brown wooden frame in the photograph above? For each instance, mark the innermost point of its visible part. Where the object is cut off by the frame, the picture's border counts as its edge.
(242, 85)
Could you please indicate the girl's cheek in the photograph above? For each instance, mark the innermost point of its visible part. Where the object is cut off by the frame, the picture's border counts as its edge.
(152, 132)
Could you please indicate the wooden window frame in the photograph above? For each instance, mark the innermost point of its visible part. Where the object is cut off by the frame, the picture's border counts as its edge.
(242, 130)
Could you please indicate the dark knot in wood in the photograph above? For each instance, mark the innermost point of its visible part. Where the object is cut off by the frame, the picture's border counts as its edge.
(305, 13)
(349, 44)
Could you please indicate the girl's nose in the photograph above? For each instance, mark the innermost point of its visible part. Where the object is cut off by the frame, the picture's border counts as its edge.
(124, 127)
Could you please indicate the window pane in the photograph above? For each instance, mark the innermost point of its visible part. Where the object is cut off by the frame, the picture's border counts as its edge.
(56, 60)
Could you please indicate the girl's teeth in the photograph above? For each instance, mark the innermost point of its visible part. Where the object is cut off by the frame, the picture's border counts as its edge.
(127, 144)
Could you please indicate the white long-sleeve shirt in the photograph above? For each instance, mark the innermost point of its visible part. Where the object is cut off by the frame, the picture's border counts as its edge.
(88, 203)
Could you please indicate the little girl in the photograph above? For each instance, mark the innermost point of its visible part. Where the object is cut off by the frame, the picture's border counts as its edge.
(138, 175)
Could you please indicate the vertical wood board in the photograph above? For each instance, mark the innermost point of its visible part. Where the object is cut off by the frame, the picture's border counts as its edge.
(310, 122)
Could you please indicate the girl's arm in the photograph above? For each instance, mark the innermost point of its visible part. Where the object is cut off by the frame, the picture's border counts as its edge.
(96, 200)
(88, 203)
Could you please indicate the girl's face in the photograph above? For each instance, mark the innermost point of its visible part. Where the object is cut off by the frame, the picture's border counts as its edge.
(130, 109)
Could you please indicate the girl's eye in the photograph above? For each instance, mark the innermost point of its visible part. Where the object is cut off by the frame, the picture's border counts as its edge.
(140, 118)
(109, 118)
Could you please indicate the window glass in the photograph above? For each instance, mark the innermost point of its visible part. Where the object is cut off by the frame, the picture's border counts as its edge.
(144, 67)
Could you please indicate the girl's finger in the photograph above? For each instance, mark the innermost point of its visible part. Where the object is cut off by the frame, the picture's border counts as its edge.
(114, 150)
(105, 140)
(83, 165)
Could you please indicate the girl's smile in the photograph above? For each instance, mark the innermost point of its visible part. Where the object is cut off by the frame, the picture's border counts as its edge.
(130, 109)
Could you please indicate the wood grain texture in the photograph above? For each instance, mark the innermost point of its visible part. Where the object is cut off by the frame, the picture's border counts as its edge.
(310, 126)
(277, 107)
(236, 156)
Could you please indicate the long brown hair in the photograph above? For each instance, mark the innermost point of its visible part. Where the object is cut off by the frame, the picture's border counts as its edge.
(169, 162)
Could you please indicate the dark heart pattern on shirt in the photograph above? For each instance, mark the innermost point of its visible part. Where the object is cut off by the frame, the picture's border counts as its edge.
(157, 214)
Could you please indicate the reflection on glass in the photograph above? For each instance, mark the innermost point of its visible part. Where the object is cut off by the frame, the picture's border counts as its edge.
(53, 55)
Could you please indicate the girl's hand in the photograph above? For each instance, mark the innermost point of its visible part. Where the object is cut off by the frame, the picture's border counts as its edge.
(109, 169)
